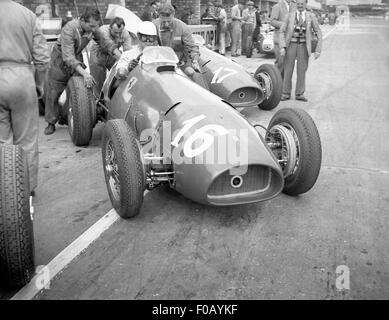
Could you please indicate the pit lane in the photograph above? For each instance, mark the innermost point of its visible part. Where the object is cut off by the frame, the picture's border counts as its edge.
(284, 248)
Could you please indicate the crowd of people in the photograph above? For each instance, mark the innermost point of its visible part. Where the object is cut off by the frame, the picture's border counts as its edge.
(24, 55)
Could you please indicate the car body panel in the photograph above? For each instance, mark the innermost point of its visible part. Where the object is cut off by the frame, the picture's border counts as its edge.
(149, 100)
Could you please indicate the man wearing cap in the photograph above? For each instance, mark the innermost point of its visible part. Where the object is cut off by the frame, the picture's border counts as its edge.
(278, 16)
(24, 58)
(174, 33)
(108, 39)
(236, 29)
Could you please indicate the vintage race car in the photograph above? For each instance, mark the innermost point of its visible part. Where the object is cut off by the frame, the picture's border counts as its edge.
(231, 82)
(162, 128)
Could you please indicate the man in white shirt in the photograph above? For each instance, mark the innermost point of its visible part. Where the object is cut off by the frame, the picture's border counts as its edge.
(221, 17)
(236, 29)
(147, 35)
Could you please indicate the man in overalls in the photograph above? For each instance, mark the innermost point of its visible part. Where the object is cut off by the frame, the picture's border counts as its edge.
(176, 34)
(24, 58)
(66, 60)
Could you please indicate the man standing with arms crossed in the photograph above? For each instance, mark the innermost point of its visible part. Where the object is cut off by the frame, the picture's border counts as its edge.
(24, 58)
(278, 16)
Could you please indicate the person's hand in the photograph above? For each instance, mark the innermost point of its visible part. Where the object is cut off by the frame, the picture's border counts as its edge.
(121, 73)
(282, 52)
(89, 81)
(39, 91)
(133, 63)
(316, 55)
(195, 65)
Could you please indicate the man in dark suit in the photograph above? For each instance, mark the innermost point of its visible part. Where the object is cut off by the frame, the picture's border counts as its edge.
(296, 43)
(278, 16)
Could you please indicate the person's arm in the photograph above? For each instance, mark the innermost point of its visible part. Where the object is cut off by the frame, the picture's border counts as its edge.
(275, 20)
(190, 46)
(245, 15)
(40, 56)
(316, 28)
(127, 44)
(68, 47)
(235, 14)
(283, 29)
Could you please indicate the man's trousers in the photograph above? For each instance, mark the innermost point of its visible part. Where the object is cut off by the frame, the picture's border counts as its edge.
(236, 36)
(19, 113)
(295, 51)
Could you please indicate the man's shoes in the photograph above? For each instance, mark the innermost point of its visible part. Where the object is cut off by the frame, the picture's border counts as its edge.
(32, 194)
(50, 129)
(301, 97)
(285, 97)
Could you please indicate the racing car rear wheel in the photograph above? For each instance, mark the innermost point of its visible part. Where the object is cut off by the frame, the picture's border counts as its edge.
(295, 141)
(80, 114)
(123, 168)
(249, 47)
(270, 80)
(16, 230)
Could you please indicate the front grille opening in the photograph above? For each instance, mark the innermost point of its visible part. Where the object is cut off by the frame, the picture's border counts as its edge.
(256, 178)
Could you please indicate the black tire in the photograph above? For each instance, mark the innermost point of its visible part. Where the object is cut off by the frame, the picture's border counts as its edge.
(79, 111)
(249, 47)
(309, 151)
(16, 229)
(199, 78)
(127, 197)
(270, 78)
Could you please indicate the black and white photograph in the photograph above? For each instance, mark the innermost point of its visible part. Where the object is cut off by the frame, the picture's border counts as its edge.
(194, 153)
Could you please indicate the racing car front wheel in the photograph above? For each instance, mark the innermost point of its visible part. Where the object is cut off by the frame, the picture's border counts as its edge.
(123, 168)
(270, 80)
(295, 141)
(16, 230)
(80, 113)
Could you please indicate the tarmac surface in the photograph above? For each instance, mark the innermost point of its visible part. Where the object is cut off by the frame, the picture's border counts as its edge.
(285, 248)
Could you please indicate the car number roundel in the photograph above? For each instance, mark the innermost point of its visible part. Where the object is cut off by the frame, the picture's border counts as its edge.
(200, 134)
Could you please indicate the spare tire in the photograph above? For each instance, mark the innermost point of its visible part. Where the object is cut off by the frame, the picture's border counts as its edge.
(16, 228)
(270, 80)
(80, 113)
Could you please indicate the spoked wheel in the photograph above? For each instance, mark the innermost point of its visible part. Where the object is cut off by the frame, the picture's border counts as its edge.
(123, 168)
(295, 142)
(270, 81)
(16, 228)
(80, 113)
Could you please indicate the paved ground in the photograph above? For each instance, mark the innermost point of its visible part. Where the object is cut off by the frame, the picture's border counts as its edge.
(286, 248)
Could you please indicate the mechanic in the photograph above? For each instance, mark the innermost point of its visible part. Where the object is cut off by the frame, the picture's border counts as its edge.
(24, 59)
(248, 24)
(295, 43)
(105, 50)
(236, 29)
(151, 11)
(176, 34)
(278, 16)
(66, 60)
(258, 25)
(147, 35)
(221, 17)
